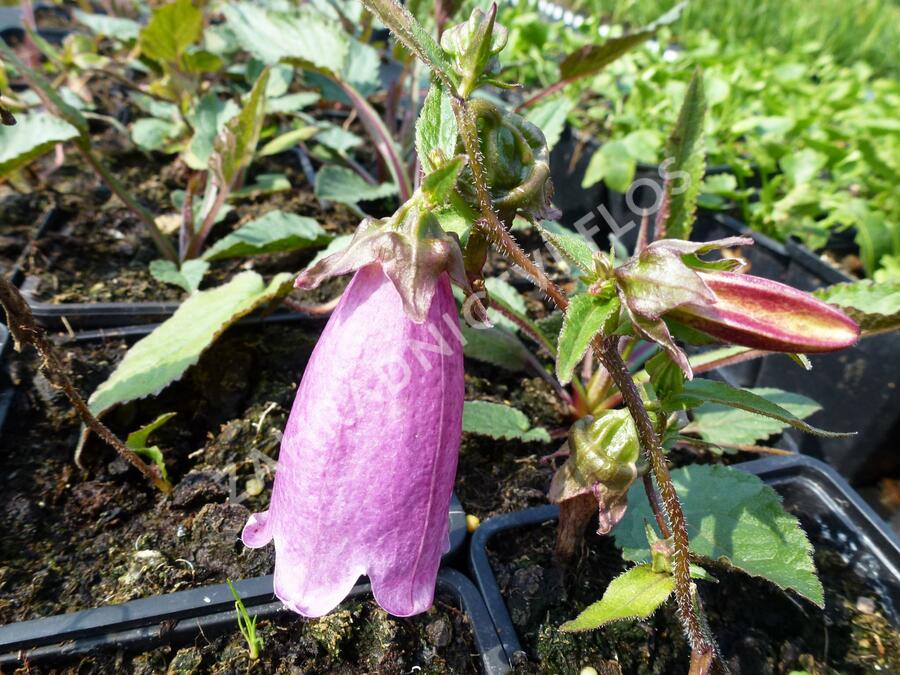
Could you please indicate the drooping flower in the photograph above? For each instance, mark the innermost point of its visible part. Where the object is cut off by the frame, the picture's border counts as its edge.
(763, 314)
(668, 280)
(368, 457)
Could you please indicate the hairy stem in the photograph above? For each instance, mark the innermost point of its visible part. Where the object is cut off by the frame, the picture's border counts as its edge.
(607, 352)
(23, 329)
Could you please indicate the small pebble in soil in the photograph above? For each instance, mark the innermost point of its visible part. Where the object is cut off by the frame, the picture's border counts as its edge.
(588, 670)
(472, 523)
(865, 605)
(440, 632)
(254, 487)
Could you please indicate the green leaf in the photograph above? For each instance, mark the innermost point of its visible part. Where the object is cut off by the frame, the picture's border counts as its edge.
(438, 184)
(500, 421)
(153, 134)
(684, 174)
(201, 61)
(58, 105)
(274, 232)
(496, 346)
(876, 235)
(263, 184)
(735, 519)
(116, 27)
(288, 140)
(235, 146)
(613, 164)
(410, 32)
(573, 247)
(208, 120)
(506, 295)
(162, 357)
(802, 166)
(34, 135)
(291, 103)
(339, 184)
(137, 441)
(187, 277)
(723, 425)
(591, 59)
(699, 391)
(299, 35)
(634, 594)
(586, 316)
(874, 306)
(436, 129)
(550, 117)
(171, 30)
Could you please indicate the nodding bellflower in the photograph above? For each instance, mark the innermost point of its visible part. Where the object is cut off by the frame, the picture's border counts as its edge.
(368, 457)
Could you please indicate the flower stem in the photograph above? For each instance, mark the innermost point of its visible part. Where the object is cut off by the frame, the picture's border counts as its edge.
(607, 353)
(700, 640)
(23, 329)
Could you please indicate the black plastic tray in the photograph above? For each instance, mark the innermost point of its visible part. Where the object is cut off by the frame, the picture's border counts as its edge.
(826, 500)
(180, 618)
(79, 316)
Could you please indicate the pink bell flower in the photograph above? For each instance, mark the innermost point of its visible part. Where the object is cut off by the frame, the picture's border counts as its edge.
(368, 457)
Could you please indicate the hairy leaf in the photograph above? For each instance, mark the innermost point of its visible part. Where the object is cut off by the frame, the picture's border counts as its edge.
(573, 247)
(685, 154)
(500, 421)
(634, 594)
(162, 357)
(276, 231)
(436, 129)
(586, 316)
(735, 519)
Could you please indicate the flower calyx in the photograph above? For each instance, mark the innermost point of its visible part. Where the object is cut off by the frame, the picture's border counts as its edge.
(410, 247)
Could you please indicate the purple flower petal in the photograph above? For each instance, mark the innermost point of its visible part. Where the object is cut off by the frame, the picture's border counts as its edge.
(368, 457)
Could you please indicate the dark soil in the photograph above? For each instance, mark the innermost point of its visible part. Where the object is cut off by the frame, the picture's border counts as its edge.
(77, 539)
(759, 628)
(100, 251)
(356, 637)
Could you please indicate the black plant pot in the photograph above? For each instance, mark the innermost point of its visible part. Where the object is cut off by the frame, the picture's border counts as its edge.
(856, 386)
(828, 504)
(81, 316)
(181, 618)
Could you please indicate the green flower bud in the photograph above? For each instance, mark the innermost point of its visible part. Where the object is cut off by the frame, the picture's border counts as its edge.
(515, 160)
(473, 47)
(604, 452)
